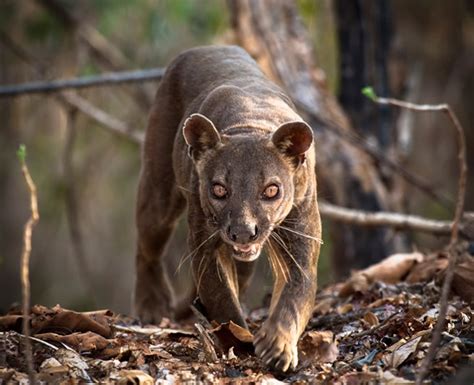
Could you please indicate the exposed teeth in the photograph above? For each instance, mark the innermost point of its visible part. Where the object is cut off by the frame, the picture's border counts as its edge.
(244, 248)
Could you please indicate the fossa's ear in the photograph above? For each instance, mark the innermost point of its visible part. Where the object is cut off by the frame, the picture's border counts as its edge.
(293, 139)
(200, 135)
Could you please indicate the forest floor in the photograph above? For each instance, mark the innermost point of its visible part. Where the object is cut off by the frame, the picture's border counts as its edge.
(374, 328)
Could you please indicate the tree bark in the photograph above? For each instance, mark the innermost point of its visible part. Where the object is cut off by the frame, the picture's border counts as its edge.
(273, 34)
(364, 34)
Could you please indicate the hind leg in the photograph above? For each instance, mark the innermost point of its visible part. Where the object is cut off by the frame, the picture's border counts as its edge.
(159, 205)
(157, 215)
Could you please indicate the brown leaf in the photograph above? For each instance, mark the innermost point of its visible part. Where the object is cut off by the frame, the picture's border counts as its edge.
(324, 306)
(371, 319)
(11, 322)
(317, 346)
(463, 280)
(344, 309)
(357, 283)
(402, 350)
(427, 269)
(390, 270)
(135, 377)
(81, 342)
(75, 363)
(230, 335)
(67, 321)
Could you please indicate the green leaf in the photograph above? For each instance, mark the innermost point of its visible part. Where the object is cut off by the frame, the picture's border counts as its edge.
(21, 153)
(369, 93)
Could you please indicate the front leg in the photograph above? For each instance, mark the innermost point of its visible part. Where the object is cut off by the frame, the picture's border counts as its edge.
(294, 264)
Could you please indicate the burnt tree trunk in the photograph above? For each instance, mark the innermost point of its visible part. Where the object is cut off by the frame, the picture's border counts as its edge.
(364, 31)
(273, 34)
(364, 35)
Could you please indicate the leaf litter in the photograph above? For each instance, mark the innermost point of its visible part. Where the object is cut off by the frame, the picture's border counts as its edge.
(374, 328)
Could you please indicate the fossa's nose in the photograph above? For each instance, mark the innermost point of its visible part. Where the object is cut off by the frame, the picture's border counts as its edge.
(242, 233)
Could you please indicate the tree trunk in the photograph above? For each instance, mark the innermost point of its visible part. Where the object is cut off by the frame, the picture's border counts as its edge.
(364, 34)
(273, 34)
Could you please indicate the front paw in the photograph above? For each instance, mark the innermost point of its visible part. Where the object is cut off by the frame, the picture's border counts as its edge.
(152, 303)
(276, 346)
(151, 310)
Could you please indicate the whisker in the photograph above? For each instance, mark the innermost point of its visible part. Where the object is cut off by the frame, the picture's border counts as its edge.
(202, 273)
(282, 264)
(270, 253)
(184, 189)
(183, 260)
(283, 245)
(277, 260)
(319, 240)
(218, 270)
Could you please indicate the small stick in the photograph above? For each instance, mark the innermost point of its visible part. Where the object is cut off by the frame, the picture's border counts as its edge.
(207, 343)
(51, 346)
(397, 221)
(25, 261)
(111, 78)
(443, 302)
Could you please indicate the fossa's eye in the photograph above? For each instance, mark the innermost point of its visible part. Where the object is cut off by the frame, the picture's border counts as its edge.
(219, 191)
(271, 192)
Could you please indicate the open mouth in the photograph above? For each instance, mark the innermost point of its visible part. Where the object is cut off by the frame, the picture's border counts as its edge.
(246, 253)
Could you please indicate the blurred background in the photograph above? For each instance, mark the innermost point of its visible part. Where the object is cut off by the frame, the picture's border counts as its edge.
(84, 245)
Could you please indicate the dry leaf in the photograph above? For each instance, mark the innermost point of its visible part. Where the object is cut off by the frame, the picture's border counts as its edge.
(401, 353)
(389, 379)
(135, 377)
(60, 320)
(75, 363)
(344, 309)
(230, 335)
(428, 269)
(317, 347)
(357, 283)
(11, 322)
(371, 319)
(81, 342)
(324, 306)
(463, 280)
(390, 270)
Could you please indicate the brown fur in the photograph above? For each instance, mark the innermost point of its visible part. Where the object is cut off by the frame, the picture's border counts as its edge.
(217, 120)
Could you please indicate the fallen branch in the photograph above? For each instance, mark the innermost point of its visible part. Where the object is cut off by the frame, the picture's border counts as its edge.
(25, 260)
(112, 78)
(382, 218)
(436, 338)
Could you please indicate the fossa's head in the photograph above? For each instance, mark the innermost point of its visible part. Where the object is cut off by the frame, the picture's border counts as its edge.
(246, 183)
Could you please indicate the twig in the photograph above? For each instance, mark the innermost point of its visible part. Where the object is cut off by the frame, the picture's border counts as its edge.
(51, 346)
(148, 331)
(106, 120)
(25, 260)
(112, 78)
(375, 328)
(436, 338)
(108, 55)
(71, 99)
(357, 141)
(382, 218)
(207, 343)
